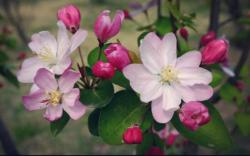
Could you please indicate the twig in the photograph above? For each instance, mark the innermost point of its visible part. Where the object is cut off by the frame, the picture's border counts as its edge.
(214, 16)
(159, 9)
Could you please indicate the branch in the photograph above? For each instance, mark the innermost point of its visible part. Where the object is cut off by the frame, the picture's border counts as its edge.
(159, 9)
(214, 16)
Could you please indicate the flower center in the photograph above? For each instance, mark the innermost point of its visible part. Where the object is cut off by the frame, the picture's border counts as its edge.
(168, 74)
(54, 97)
(47, 56)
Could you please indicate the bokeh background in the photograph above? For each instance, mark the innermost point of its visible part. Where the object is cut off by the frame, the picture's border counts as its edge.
(30, 132)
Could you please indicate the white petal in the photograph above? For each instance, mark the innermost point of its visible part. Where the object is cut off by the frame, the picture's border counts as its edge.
(189, 59)
(76, 111)
(190, 76)
(53, 113)
(77, 39)
(29, 68)
(168, 49)
(70, 98)
(171, 98)
(61, 65)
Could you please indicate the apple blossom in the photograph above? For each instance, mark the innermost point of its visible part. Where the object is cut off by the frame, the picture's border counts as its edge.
(165, 79)
(205, 39)
(184, 33)
(55, 95)
(117, 55)
(105, 28)
(51, 54)
(70, 16)
(193, 115)
(103, 70)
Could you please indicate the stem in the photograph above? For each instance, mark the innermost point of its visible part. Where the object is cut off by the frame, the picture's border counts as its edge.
(159, 9)
(214, 16)
(100, 50)
(82, 68)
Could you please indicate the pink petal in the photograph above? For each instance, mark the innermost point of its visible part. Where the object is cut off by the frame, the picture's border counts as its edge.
(29, 68)
(53, 113)
(62, 65)
(70, 98)
(116, 24)
(189, 76)
(189, 59)
(77, 39)
(76, 111)
(150, 54)
(34, 88)
(45, 80)
(171, 99)
(159, 114)
(68, 80)
(35, 100)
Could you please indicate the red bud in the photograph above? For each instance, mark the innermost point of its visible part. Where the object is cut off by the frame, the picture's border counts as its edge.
(133, 135)
(184, 33)
(205, 39)
(154, 151)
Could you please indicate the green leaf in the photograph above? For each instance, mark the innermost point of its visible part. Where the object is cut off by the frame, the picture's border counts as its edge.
(57, 126)
(93, 55)
(10, 42)
(99, 96)
(183, 46)
(230, 93)
(93, 121)
(212, 135)
(140, 37)
(3, 57)
(124, 110)
(163, 26)
(147, 121)
(119, 79)
(217, 78)
(8, 75)
(243, 120)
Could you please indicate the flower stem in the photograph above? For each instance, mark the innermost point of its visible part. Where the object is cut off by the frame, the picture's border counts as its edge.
(100, 50)
(82, 68)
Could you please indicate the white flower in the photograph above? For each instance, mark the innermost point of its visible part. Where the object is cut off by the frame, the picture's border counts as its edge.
(51, 54)
(165, 79)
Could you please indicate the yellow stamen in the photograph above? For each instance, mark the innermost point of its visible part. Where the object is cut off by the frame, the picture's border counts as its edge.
(168, 75)
(54, 98)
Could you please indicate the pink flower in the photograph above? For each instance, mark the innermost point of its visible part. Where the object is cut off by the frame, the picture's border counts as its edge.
(193, 115)
(51, 54)
(103, 70)
(184, 33)
(104, 28)
(215, 52)
(205, 39)
(165, 79)
(154, 151)
(117, 55)
(133, 135)
(55, 95)
(70, 16)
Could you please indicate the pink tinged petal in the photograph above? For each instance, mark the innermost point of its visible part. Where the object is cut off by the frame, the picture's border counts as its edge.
(34, 88)
(168, 49)
(34, 101)
(189, 59)
(77, 39)
(76, 111)
(152, 90)
(63, 41)
(150, 55)
(29, 68)
(53, 113)
(43, 42)
(159, 114)
(71, 97)
(198, 92)
(62, 65)
(68, 80)
(45, 80)
(189, 76)
(171, 99)
(116, 24)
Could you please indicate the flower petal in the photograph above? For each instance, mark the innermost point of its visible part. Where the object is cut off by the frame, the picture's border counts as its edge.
(34, 100)
(29, 68)
(168, 49)
(189, 76)
(34, 88)
(198, 92)
(68, 80)
(63, 47)
(53, 113)
(116, 24)
(76, 111)
(61, 66)
(77, 39)
(171, 99)
(45, 80)
(189, 59)
(159, 114)
(70, 98)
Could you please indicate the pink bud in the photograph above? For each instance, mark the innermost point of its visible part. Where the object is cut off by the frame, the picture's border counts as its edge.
(70, 16)
(105, 28)
(193, 115)
(205, 39)
(126, 14)
(172, 137)
(103, 70)
(184, 33)
(117, 55)
(154, 151)
(133, 135)
(21, 56)
(215, 52)
(240, 85)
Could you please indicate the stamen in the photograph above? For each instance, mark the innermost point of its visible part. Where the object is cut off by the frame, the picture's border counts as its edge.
(168, 75)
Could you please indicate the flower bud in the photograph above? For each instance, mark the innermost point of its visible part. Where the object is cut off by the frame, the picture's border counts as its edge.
(193, 115)
(154, 151)
(105, 28)
(184, 33)
(70, 16)
(133, 135)
(21, 56)
(172, 137)
(126, 14)
(240, 85)
(205, 39)
(103, 70)
(215, 52)
(117, 55)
